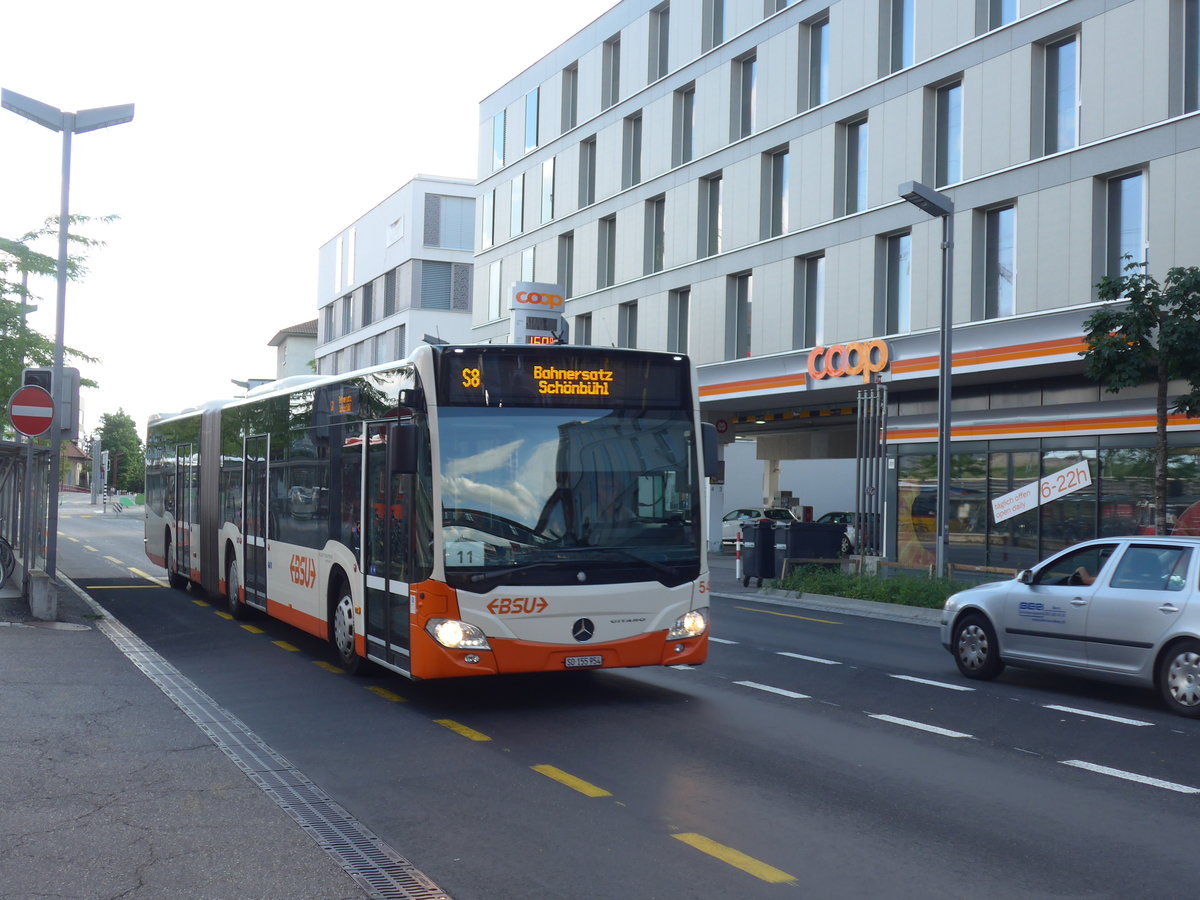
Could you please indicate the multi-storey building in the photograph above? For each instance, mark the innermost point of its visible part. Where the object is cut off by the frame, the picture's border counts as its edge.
(399, 272)
(721, 177)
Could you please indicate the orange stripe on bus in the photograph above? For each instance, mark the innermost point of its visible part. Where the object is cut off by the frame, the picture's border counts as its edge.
(297, 619)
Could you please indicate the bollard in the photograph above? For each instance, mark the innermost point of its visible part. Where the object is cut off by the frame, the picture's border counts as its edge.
(737, 556)
(43, 597)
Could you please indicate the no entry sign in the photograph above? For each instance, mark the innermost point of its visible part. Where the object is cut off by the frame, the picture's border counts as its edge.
(31, 410)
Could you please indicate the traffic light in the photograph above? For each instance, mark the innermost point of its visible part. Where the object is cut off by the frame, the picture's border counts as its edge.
(38, 378)
(66, 401)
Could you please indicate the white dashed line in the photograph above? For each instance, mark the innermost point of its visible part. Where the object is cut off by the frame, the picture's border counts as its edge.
(816, 659)
(721, 641)
(941, 684)
(1095, 715)
(921, 726)
(1131, 776)
(772, 690)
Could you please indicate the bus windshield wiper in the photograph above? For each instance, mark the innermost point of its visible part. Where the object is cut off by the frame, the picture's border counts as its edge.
(658, 567)
(500, 573)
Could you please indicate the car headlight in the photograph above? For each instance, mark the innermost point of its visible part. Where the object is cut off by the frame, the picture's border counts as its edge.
(457, 635)
(692, 623)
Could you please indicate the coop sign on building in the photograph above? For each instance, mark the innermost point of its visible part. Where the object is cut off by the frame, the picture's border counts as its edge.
(537, 313)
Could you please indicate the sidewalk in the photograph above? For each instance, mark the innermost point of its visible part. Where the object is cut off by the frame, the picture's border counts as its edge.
(108, 790)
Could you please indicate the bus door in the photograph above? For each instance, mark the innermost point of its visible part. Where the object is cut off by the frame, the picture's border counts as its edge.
(386, 529)
(255, 520)
(185, 508)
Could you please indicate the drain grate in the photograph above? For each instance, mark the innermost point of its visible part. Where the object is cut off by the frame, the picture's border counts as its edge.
(373, 865)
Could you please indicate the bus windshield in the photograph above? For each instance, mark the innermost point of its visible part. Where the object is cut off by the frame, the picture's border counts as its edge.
(568, 496)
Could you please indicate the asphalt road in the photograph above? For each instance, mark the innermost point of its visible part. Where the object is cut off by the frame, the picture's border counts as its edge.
(833, 755)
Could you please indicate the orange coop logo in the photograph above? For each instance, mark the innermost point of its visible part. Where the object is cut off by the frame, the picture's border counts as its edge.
(303, 570)
(863, 358)
(533, 298)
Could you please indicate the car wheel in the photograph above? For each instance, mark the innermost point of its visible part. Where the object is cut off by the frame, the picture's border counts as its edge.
(976, 651)
(342, 629)
(1179, 678)
(847, 548)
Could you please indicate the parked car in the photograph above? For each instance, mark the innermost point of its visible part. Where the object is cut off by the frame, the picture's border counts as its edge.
(850, 537)
(1120, 609)
(731, 522)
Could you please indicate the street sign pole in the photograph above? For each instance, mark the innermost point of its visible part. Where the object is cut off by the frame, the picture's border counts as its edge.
(31, 410)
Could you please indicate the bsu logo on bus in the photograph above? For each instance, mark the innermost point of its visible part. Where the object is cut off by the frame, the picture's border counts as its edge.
(303, 570)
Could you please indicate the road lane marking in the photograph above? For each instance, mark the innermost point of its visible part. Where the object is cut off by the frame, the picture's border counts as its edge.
(88, 547)
(772, 690)
(771, 612)
(457, 728)
(815, 659)
(161, 582)
(385, 693)
(71, 539)
(735, 858)
(1131, 776)
(328, 667)
(120, 587)
(115, 560)
(921, 726)
(941, 684)
(228, 617)
(716, 640)
(284, 645)
(253, 629)
(1095, 715)
(577, 784)
(200, 603)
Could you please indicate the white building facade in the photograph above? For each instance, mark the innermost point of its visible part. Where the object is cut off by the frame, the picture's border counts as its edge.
(399, 272)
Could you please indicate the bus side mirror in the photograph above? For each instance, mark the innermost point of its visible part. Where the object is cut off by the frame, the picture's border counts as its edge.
(402, 444)
(708, 436)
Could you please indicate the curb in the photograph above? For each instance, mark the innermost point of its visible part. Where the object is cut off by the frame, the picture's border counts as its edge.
(892, 612)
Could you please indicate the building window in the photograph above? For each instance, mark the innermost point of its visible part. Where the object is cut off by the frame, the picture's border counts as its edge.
(774, 6)
(710, 216)
(436, 284)
(389, 293)
(347, 314)
(999, 262)
(631, 151)
(531, 120)
(818, 62)
(743, 91)
(856, 166)
(900, 34)
(808, 311)
(368, 303)
(401, 343)
(498, 141)
(677, 320)
(610, 79)
(606, 259)
(583, 329)
(337, 264)
(570, 97)
(948, 163)
(683, 131)
(449, 222)
(1126, 223)
(1191, 55)
(487, 222)
(351, 251)
(327, 324)
(713, 23)
(587, 172)
(656, 225)
(660, 32)
(547, 190)
(627, 324)
(739, 315)
(775, 202)
(1000, 12)
(527, 270)
(566, 263)
(1062, 95)
(516, 209)
(898, 284)
(495, 306)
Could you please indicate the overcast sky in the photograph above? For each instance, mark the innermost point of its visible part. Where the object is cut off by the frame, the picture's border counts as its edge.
(261, 130)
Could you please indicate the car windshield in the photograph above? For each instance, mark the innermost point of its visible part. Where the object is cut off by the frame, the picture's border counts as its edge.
(544, 496)
(777, 514)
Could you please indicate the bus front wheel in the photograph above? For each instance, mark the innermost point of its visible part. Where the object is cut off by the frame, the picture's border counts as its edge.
(343, 631)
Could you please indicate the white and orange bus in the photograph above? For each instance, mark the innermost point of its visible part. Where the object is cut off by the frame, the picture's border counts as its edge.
(472, 510)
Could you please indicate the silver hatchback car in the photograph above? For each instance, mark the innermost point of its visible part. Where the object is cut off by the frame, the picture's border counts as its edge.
(1121, 609)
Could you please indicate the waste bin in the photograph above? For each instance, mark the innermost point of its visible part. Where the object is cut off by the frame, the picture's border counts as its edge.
(758, 550)
(808, 540)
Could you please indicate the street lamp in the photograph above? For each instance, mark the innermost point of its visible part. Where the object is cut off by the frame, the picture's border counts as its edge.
(68, 123)
(937, 204)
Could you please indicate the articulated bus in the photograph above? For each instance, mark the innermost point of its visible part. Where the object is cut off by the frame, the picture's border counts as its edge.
(471, 510)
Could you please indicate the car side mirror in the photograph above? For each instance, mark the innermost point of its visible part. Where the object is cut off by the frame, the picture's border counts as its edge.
(1026, 576)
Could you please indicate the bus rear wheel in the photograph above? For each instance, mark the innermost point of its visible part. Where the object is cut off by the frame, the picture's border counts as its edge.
(233, 591)
(342, 631)
(174, 578)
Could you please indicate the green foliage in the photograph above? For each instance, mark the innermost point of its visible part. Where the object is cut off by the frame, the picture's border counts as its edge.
(906, 590)
(126, 458)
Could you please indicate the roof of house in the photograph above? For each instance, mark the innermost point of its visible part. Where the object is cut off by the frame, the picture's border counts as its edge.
(303, 329)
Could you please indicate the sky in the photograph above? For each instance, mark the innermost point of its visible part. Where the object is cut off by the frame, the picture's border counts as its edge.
(261, 130)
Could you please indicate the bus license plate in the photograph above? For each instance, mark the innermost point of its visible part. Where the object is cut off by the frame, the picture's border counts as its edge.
(584, 662)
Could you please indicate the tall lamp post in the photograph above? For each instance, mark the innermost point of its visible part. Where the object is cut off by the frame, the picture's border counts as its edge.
(69, 123)
(937, 204)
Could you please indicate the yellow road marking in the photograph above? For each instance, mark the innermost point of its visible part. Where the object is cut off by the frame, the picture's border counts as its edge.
(93, 549)
(253, 629)
(284, 645)
(114, 559)
(578, 784)
(73, 540)
(161, 582)
(385, 693)
(328, 667)
(736, 858)
(223, 615)
(119, 587)
(200, 603)
(469, 733)
(770, 612)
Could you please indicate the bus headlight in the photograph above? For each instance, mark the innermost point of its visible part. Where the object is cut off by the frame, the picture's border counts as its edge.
(692, 623)
(457, 635)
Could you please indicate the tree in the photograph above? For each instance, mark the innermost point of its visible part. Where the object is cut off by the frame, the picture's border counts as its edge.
(1151, 335)
(126, 458)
